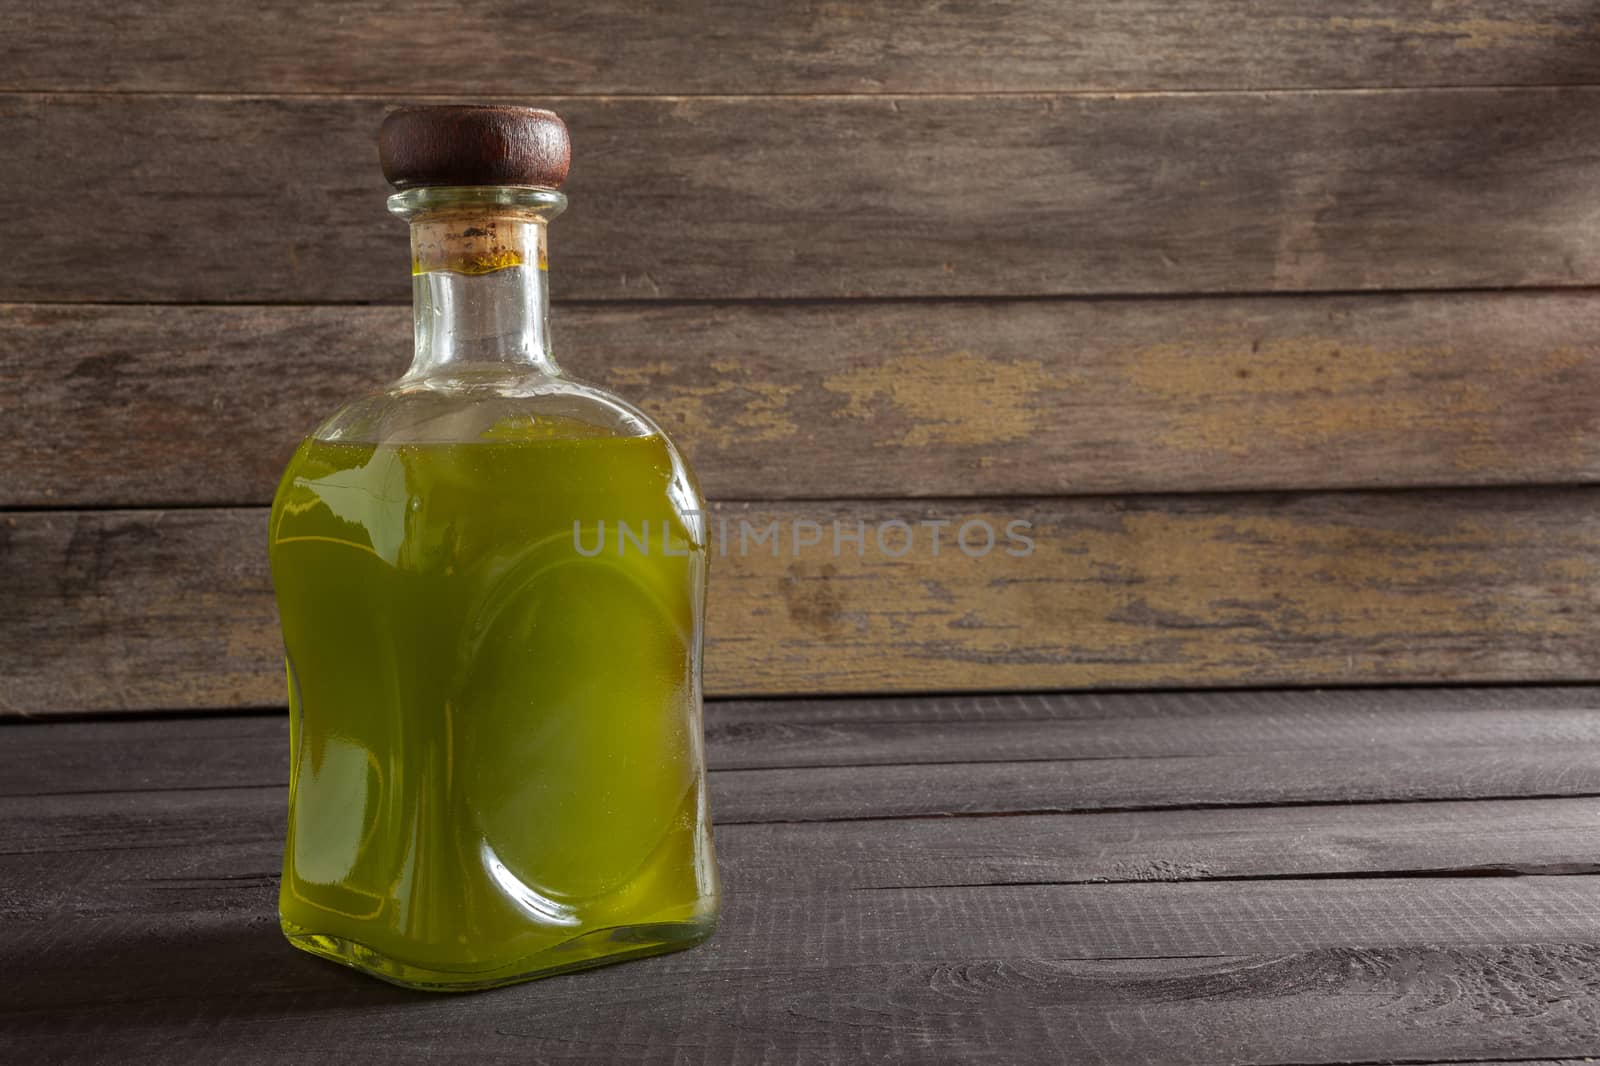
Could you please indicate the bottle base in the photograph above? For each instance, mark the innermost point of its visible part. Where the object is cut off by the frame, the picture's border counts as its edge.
(600, 947)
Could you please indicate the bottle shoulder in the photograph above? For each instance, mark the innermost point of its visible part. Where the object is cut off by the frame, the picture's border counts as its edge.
(550, 438)
(488, 407)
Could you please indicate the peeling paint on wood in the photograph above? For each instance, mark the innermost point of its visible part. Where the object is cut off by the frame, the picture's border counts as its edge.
(131, 406)
(960, 398)
(146, 610)
(1465, 33)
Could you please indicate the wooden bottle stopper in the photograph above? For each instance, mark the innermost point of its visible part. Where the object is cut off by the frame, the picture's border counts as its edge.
(474, 145)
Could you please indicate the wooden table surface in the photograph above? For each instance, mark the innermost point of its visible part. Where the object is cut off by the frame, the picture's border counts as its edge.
(1252, 877)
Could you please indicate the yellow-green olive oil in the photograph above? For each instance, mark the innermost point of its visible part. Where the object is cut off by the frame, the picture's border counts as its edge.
(492, 655)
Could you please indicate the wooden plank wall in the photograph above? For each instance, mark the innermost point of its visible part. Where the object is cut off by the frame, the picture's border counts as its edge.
(1279, 324)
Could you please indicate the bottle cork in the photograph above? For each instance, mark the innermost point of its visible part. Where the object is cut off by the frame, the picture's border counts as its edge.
(474, 146)
(490, 144)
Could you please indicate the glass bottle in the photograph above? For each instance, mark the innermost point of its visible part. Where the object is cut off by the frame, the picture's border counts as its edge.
(491, 580)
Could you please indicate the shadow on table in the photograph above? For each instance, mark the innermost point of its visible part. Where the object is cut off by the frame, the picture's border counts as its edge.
(213, 971)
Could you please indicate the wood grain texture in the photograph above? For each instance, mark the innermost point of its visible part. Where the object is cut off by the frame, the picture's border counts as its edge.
(138, 924)
(902, 46)
(279, 198)
(246, 751)
(763, 734)
(1482, 837)
(1090, 922)
(96, 856)
(84, 820)
(163, 610)
(1267, 972)
(1156, 917)
(125, 801)
(1066, 786)
(1297, 712)
(151, 406)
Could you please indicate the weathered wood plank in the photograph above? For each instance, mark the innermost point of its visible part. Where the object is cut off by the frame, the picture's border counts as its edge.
(1045, 786)
(1170, 592)
(870, 939)
(165, 610)
(198, 751)
(903, 46)
(755, 734)
(242, 751)
(1087, 922)
(1268, 972)
(1529, 837)
(1344, 1006)
(1302, 714)
(140, 406)
(1148, 751)
(721, 197)
(1061, 786)
(102, 855)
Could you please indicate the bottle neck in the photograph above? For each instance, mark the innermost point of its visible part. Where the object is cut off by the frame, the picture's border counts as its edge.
(479, 286)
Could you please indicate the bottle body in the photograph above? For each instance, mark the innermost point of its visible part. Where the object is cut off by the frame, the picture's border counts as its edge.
(496, 747)
(491, 584)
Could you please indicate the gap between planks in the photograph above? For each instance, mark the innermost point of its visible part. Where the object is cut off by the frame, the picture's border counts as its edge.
(555, 100)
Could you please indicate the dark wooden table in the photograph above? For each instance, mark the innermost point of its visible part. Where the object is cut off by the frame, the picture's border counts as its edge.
(1250, 877)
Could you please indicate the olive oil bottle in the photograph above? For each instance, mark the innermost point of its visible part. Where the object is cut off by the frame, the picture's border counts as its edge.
(491, 582)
